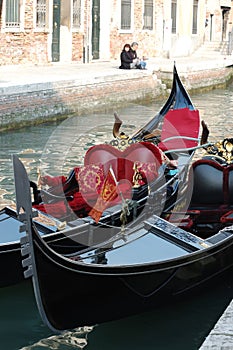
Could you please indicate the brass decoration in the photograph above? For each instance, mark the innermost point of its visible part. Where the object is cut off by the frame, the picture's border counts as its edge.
(124, 213)
(121, 144)
(223, 150)
(137, 177)
(204, 244)
(121, 141)
(45, 220)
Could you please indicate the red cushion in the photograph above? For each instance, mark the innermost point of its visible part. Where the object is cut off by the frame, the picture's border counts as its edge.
(124, 189)
(180, 122)
(90, 178)
(80, 204)
(122, 161)
(57, 210)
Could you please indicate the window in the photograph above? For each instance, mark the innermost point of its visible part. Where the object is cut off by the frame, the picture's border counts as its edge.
(195, 9)
(125, 14)
(173, 15)
(40, 13)
(148, 14)
(12, 18)
(76, 14)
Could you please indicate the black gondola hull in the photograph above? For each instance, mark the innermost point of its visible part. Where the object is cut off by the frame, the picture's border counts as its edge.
(11, 270)
(76, 294)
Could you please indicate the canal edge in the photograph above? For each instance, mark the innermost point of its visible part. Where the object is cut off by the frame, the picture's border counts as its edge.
(34, 99)
(221, 336)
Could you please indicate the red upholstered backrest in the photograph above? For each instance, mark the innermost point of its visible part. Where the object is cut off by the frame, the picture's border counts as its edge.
(122, 161)
(180, 123)
(99, 154)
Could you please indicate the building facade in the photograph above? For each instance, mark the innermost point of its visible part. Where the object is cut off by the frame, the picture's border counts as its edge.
(44, 31)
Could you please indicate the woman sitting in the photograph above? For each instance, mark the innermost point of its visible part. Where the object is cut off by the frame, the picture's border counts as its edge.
(127, 60)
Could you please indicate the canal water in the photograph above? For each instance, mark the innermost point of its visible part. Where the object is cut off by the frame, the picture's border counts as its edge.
(54, 148)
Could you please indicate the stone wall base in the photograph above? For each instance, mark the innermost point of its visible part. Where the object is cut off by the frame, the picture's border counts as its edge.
(38, 103)
(199, 80)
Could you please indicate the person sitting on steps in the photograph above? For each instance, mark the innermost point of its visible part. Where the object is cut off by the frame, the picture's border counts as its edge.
(128, 59)
(141, 64)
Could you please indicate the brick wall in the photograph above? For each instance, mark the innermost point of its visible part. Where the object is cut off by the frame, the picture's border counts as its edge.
(27, 46)
(22, 48)
(77, 47)
(149, 40)
(32, 46)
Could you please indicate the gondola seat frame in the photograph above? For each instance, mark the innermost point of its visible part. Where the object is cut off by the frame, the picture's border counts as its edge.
(212, 194)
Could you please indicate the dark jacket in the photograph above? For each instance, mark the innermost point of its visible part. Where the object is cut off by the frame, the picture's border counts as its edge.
(133, 53)
(126, 59)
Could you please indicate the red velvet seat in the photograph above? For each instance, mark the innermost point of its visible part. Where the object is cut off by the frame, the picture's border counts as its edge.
(180, 129)
(90, 177)
(122, 162)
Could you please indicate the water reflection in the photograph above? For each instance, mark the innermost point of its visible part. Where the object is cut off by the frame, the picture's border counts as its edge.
(26, 143)
(76, 339)
(63, 152)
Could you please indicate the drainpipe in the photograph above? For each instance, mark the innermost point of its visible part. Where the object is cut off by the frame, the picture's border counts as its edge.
(230, 42)
(211, 25)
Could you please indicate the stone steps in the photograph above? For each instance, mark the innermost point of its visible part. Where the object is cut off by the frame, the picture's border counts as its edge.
(212, 48)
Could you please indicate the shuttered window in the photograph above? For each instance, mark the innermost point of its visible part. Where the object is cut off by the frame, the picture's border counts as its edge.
(126, 14)
(173, 15)
(195, 12)
(148, 14)
(76, 14)
(12, 18)
(41, 13)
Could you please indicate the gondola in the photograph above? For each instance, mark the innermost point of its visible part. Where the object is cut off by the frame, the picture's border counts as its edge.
(172, 237)
(167, 144)
(155, 260)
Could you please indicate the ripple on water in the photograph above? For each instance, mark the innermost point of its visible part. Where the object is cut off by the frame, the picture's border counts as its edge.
(76, 339)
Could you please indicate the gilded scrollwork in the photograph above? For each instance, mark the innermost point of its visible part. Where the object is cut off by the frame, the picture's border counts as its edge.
(222, 149)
